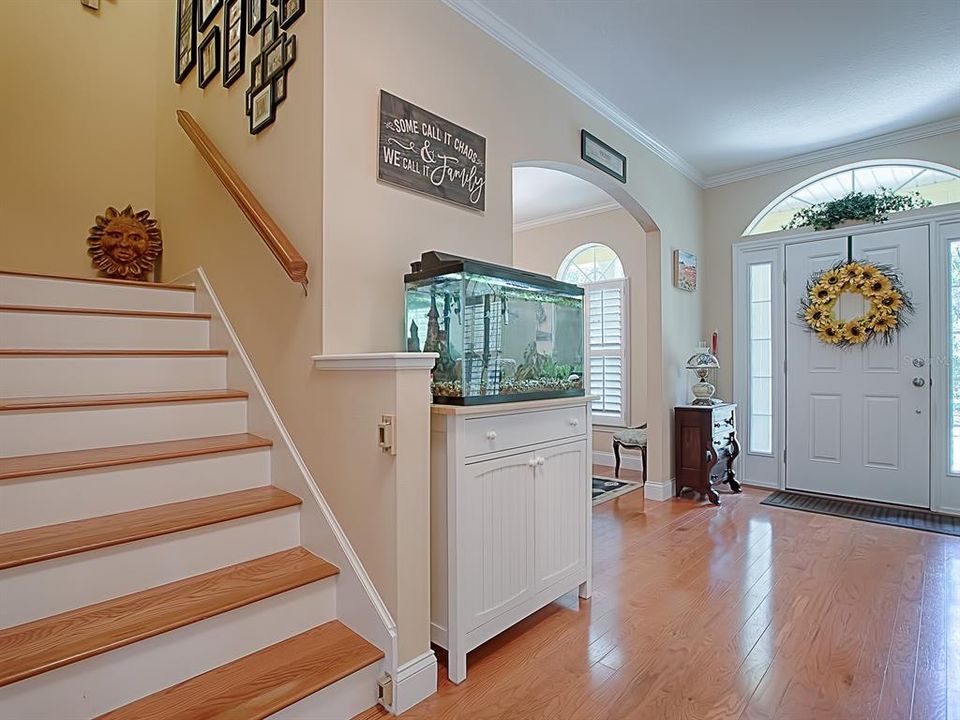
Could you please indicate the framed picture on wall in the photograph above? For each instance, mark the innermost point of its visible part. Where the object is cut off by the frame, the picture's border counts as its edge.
(186, 55)
(209, 57)
(290, 10)
(684, 270)
(268, 33)
(207, 11)
(235, 41)
(256, 12)
(262, 109)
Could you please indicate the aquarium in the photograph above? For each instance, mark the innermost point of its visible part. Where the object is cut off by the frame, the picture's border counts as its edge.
(502, 334)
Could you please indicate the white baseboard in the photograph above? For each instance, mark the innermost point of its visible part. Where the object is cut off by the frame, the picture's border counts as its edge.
(659, 491)
(627, 460)
(416, 680)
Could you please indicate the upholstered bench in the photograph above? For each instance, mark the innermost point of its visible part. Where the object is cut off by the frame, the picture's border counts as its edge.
(635, 437)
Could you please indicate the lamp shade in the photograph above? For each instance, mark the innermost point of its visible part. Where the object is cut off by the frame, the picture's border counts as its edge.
(702, 358)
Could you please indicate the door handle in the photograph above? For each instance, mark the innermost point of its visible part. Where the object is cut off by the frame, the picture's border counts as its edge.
(919, 382)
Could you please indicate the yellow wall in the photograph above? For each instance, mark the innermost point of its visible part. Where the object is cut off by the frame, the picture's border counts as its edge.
(543, 248)
(730, 208)
(77, 128)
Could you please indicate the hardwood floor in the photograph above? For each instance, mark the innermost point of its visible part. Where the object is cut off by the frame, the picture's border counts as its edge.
(739, 612)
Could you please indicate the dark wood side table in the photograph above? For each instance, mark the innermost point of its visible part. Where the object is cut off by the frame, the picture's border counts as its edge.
(705, 439)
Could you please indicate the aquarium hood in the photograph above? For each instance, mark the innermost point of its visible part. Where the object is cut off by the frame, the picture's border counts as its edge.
(434, 263)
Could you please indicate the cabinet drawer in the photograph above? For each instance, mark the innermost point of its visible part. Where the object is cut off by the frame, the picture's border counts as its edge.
(503, 432)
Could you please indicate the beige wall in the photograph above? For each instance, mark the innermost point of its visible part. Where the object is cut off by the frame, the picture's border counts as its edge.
(730, 208)
(543, 248)
(77, 128)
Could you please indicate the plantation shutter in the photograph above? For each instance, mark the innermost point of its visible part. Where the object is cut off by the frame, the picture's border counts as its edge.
(606, 349)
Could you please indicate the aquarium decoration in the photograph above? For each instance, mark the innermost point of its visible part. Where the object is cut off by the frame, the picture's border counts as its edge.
(501, 334)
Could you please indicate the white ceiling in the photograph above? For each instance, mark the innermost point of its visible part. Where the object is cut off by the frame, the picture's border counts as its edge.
(541, 196)
(719, 86)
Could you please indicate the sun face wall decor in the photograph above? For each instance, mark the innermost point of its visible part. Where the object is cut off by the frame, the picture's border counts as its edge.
(880, 285)
(124, 244)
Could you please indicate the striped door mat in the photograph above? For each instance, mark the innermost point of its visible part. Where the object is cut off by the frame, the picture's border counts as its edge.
(882, 514)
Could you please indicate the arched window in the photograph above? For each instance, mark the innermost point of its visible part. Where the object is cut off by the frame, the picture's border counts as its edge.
(598, 269)
(939, 184)
(590, 263)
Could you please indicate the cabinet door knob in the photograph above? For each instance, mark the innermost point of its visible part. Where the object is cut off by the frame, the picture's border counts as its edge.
(532, 462)
(491, 434)
(541, 461)
(574, 422)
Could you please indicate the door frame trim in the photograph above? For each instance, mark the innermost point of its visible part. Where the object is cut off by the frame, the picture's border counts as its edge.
(773, 245)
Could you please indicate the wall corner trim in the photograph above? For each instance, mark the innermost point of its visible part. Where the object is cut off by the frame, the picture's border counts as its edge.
(377, 361)
(658, 491)
(416, 680)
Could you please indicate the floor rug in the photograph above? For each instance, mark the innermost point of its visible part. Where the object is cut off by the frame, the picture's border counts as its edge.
(607, 488)
(882, 514)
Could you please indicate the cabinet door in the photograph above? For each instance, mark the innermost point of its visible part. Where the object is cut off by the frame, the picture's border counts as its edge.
(560, 502)
(496, 540)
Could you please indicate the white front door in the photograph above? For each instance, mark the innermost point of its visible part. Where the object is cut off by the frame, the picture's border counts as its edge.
(858, 418)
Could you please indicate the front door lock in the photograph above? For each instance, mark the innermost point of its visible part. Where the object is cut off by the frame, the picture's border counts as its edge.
(919, 382)
(918, 362)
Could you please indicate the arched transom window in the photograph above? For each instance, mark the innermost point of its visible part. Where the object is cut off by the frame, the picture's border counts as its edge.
(590, 263)
(939, 184)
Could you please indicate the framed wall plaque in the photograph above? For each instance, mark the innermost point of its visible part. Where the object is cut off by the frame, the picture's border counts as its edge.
(596, 152)
(234, 42)
(186, 56)
(425, 153)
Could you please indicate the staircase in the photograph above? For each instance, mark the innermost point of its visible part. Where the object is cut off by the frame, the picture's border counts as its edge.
(148, 568)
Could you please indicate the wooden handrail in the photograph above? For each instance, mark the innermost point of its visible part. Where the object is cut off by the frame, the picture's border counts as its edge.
(281, 247)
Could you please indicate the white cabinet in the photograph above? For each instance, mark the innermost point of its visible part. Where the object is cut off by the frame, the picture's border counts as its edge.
(510, 516)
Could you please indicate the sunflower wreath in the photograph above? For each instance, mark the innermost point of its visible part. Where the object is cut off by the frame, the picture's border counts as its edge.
(881, 285)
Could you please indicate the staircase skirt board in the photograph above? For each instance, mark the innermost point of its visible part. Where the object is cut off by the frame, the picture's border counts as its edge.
(37, 590)
(266, 682)
(29, 432)
(49, 499)
(43, 329)
(27, 289)
(112, 679)
(33, 375)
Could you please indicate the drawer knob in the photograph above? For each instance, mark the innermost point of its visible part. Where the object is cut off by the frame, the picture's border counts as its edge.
(574, 422)
(541, 460)
(491, 434)
(532, 462)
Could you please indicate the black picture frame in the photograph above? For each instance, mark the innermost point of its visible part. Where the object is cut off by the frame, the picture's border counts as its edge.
(589, 141)
(186, 42)
(291, 50)
(234, 41)
(269, 31)
(256, 14)
(260, 120)
(280, 88)
(206, 16)
(290, 10)
(274, 59)
(208, 57)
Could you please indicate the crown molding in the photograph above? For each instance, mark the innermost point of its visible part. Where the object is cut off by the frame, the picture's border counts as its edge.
(565, 216)
(573, 83)
(837, 151)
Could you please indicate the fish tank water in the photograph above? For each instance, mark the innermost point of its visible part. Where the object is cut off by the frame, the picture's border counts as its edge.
(502, 334)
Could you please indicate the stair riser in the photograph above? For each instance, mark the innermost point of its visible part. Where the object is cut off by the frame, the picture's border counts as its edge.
(48, 292)
(344, 699)
(38, 590)
(32, 432)
(30, 376)
(113, 332)
(50, 499)
(91, 687)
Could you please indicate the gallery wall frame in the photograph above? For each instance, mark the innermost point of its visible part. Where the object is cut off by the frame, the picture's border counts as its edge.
(208, 57)
(186, 44)
(206, 12)
(234, 41)
(256, 14)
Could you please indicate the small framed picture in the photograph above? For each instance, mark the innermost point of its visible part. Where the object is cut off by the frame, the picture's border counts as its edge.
(263, 109)
(280, 88)
(256, 12)
(209, 53)
(186, 53)
(207, 12)
(234, 47)
(684, 270)
(268, 33)
(274, 59)
(248, 101)
(290, 10)
(256, 72)
(291, 49)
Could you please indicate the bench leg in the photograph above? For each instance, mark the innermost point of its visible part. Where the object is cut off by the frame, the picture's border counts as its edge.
(616, 454)
(643, 457)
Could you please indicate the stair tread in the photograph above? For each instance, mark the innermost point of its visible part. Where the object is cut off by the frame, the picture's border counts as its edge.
(53, 309)
(97, 352)
(46, 542)
(73, 460)
(108, 281)
(76, 401)
(261, 683)
(42, 645)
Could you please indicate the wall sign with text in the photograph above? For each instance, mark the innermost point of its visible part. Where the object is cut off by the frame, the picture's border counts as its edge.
(423, 152)
(600, 155)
